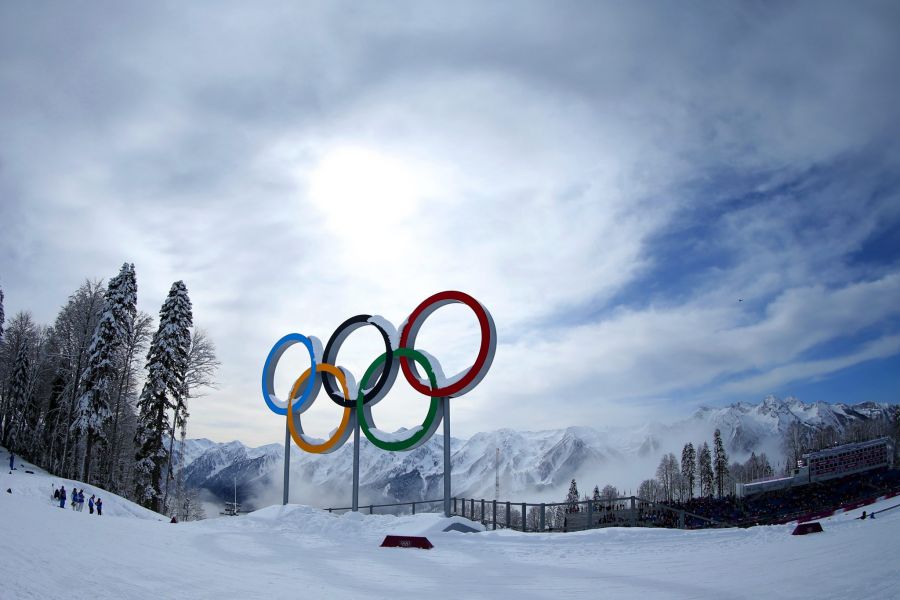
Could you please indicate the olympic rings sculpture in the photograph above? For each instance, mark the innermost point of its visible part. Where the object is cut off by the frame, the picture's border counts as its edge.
(324, 372)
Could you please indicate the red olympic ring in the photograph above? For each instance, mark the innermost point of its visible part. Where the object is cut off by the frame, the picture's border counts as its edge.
(485, 351)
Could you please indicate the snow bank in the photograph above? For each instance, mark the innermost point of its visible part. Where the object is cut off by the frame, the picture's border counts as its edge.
(38, 486)
(283, 552)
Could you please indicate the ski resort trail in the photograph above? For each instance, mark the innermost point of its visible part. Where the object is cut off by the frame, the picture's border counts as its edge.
(302, 552)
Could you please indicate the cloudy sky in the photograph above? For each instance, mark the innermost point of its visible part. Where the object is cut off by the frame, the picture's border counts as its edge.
(662, 205)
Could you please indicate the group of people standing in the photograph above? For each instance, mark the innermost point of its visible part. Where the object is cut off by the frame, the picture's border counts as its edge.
(77, 501)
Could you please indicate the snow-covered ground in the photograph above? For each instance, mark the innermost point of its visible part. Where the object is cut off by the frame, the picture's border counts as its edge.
(300, 552)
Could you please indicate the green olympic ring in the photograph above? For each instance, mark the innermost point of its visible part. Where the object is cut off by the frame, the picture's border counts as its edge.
(364, 409)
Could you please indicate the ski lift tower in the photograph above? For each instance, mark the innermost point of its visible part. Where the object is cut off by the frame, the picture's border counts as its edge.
(233, 509)
(497, 475)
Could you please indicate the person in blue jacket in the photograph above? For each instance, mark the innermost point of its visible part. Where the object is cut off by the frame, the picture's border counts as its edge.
(62, 497)
(99, 505)
(11, 459)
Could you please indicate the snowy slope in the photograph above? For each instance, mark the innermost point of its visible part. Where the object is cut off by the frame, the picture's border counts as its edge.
(37, 488)
(297, 551)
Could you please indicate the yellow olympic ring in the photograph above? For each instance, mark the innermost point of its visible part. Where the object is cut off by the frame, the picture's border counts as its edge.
(340, 435)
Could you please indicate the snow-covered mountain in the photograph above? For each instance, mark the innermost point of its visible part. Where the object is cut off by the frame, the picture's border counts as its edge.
(747, 427)
(532, 461)
(532, 465)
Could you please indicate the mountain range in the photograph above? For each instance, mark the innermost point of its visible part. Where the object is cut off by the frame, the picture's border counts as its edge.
(532, 465)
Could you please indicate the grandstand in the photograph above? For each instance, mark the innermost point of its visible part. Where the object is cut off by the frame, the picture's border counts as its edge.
(800, 502)
(823, 465)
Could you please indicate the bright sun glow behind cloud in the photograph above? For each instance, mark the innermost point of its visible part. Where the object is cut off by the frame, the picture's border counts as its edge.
(360, 190)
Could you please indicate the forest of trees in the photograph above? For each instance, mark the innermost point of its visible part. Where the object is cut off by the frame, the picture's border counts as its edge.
(78, 399)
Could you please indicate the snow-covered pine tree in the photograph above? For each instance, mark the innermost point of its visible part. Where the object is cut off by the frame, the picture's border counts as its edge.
(720, 463)
(163, 391)
(688, 469)
(93, 412)
(21, 333)
(705, 471)
(2, 315)
(18, 399)
(572, 497)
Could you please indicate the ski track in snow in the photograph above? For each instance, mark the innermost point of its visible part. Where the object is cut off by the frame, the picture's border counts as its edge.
(297, 551)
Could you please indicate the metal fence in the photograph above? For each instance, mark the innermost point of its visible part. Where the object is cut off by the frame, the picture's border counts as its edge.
(396, 508)
(629, 511)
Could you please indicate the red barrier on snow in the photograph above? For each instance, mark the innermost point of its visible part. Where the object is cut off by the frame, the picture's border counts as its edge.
(854, 505)
(406, 541)
(804, 528)
(814, 516)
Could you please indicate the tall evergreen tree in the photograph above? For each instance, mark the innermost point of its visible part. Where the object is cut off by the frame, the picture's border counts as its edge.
(704, 470)
(19, 399)
(720, 463)
(2, 315)
(572, 497)
(164, 390)
(689, 468)
(92, 418)
(21, 336)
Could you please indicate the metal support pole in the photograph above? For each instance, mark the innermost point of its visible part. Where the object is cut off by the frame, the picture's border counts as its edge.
(454, 505)
(494, 515)
(463, 507)
(355, 503)
(507, 515)
(287, 461)
(633, 515)
(446, 406)
(523, 517)
(371, 509)
(590, 523)
(414, 508)
(472, 509)
(483, 519)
